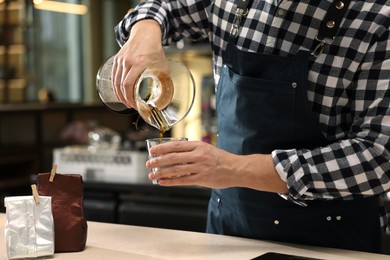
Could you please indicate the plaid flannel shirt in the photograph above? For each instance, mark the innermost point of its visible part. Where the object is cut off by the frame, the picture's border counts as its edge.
(348, 84)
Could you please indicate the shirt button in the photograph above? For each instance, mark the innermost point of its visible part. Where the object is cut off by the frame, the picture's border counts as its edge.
(276, 222)
(338, 218)
(328, 218)
(281, 12)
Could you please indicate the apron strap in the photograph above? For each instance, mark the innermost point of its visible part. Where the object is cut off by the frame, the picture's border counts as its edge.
(330, 25)
(326, 33)
(242, 10)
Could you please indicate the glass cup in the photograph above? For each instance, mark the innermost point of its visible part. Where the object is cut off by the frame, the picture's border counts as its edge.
(155, 141)
(164, 92)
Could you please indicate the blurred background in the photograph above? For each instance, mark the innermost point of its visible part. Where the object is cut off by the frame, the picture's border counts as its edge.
(50, 113)
(50, 52)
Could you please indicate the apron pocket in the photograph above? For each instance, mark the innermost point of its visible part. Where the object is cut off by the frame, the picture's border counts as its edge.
(242, 116)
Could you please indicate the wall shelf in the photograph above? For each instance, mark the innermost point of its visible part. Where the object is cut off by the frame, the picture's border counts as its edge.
(13, 50)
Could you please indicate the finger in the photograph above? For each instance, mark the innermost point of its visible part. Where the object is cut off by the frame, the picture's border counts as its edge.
(128, 85)
(152, 177)
(116, 79)
(172, 163)
(184, 180)
(173, 146)
(113, 76)
(173, 171)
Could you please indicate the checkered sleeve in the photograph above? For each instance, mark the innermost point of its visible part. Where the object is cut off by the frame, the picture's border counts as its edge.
(358, 164)
(178, 19)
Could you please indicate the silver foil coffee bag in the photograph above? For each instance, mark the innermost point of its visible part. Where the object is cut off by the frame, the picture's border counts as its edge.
(29, 227)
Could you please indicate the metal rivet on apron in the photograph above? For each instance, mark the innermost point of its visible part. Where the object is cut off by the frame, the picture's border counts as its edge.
(294, 85)
(340, 5)
(330, 24)
(328, 218)
(219, 202)
(338, 218)
(276, 222)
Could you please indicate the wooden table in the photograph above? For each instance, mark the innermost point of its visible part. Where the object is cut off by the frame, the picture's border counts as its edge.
(113, 241)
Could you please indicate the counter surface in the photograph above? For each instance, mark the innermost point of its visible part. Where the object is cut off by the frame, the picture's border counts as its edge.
(113, 241)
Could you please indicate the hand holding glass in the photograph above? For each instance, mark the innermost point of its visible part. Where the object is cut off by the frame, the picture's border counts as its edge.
(164, 92)
(155, 141)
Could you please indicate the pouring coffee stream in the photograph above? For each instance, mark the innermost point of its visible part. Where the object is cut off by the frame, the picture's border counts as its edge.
(155, 92)
(164, 93)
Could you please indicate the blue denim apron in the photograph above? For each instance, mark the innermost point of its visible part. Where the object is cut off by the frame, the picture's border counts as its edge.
(261, 106)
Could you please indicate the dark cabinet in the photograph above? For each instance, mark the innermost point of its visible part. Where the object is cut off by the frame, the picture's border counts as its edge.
(183, 208)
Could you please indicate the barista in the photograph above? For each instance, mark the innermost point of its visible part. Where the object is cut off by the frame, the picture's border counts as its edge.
(302, 108)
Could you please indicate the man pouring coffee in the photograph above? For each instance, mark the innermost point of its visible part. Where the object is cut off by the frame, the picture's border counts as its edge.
(303, 151)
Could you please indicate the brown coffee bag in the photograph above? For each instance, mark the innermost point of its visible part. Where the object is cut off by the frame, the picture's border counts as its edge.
(67, 195)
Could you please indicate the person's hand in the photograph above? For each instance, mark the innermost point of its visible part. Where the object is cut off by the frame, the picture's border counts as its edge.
(191, 163)
(199, 163)
(143, 47)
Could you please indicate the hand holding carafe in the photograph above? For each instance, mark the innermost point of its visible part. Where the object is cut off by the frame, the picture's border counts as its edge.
(142, 47)
(163, 92)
